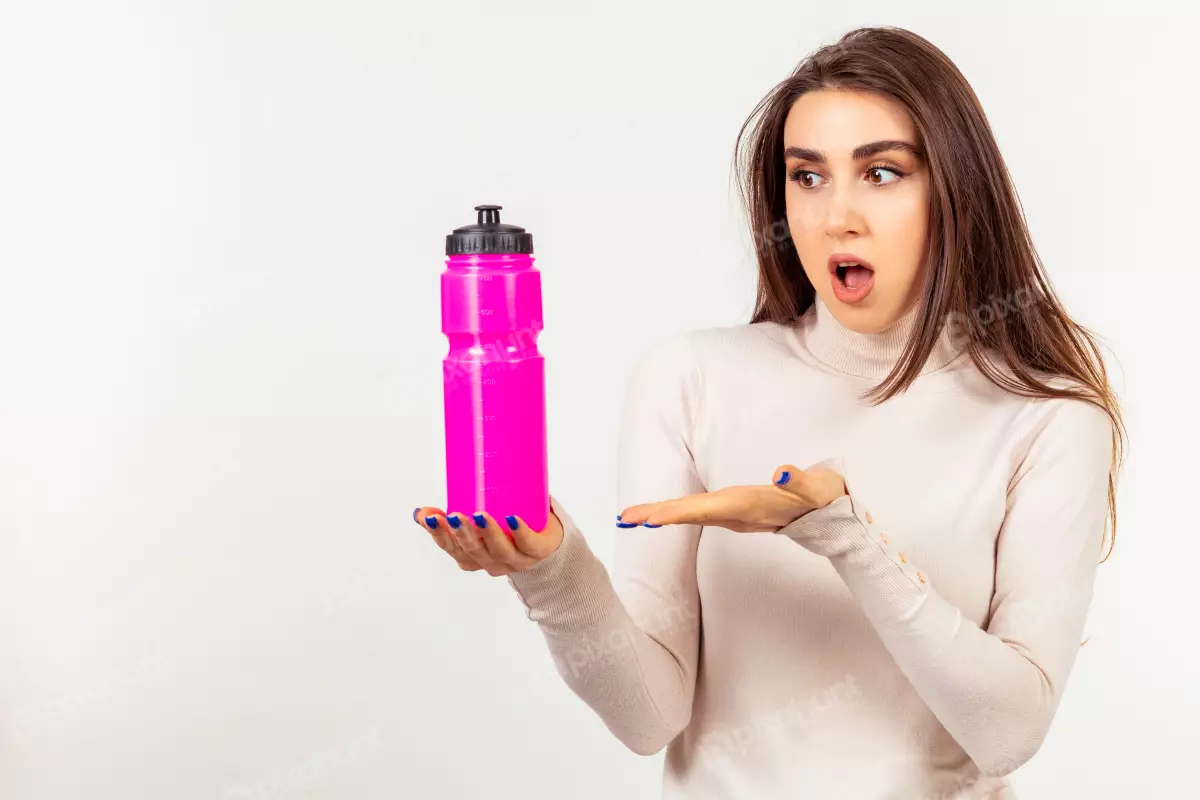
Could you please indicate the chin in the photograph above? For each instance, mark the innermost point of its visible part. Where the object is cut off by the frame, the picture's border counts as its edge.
(866, 316)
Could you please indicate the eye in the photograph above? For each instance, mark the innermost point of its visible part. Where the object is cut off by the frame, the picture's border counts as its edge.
(877, 175)
(806, 178)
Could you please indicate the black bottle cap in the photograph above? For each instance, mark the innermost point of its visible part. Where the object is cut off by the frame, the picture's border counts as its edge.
(489, 235)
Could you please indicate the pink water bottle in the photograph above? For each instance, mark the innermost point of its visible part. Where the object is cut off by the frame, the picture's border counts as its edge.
(493, 376)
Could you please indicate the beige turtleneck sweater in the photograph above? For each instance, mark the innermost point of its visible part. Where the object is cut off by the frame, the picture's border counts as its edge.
(910, 640)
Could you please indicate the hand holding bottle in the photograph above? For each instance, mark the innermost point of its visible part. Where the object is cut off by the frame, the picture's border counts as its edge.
(477, 542)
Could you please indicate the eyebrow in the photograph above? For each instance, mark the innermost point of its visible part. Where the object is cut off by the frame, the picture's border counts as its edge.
(860, 152)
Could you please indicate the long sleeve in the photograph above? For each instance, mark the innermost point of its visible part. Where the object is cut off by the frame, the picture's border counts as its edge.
(629, 646)
(995, 690)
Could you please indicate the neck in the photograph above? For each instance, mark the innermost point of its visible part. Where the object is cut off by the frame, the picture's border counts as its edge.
(868, 355)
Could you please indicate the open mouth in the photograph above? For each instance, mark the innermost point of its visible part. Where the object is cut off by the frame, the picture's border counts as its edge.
(852, 278)
(853, 274)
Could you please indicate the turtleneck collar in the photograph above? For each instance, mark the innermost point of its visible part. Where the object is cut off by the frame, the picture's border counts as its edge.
(868, 355)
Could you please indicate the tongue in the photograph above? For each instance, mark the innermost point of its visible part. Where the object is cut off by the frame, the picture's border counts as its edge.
(856, 277)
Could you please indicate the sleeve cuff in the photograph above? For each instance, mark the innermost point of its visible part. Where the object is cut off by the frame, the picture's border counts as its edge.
(569, 589)
(871, 562)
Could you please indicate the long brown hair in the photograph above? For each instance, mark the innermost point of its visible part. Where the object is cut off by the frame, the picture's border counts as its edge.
(980, 259)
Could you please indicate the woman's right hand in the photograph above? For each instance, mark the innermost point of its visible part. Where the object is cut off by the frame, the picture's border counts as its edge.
(477, 542)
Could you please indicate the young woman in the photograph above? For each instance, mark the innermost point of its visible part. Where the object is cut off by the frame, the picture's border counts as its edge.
(906, 627)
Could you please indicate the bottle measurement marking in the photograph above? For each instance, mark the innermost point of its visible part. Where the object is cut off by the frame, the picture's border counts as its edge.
(479, 441)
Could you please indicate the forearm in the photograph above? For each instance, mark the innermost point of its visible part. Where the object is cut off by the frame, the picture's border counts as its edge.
(629, 646)
(995, 702)
(620, 666)
(989, 695)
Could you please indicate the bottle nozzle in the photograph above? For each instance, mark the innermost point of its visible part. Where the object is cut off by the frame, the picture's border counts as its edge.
(488, 235)
(488, 214)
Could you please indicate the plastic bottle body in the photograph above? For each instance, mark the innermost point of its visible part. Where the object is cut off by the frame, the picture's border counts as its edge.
(494, 386)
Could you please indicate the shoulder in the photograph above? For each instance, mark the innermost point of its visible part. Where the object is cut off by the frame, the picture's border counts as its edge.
(1040, 413)
(1066, 431)
(1042, 424)
(1080, 420)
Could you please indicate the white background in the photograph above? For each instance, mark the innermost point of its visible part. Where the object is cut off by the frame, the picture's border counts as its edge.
(221, 233)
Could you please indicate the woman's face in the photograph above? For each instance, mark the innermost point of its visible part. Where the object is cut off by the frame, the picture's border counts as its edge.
(857, 191)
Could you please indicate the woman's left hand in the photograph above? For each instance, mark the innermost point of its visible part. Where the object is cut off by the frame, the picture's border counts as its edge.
(746, 509)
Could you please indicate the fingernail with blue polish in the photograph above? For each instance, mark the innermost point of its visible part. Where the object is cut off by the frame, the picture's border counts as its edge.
(512, 521)
(480, 521)
(415, 510)
(784, 478)
(454, 521)
(431, 522)
(627, 524)
(648, 525)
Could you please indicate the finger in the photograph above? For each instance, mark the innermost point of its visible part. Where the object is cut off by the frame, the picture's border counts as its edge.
(465, 562)
(786, 477)
(420, 512)
(440, 529)
(466, 535)
(433, 520)
(794, 481)
(635, 515)
(538, 544)
(819, 483)
(429, 518)
(695, 509)
(500, 547)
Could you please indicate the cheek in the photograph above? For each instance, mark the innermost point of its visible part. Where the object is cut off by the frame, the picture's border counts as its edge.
(901, 227)
(806, 215)
(807, 231)
(811, 249)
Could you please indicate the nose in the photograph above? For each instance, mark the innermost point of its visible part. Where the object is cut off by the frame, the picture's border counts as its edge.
(844, 217)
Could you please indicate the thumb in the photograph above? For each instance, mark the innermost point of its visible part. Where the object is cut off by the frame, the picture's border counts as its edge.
(792, 480)
(785, 476)
(789, 477)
